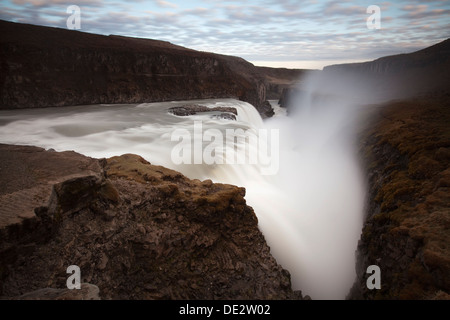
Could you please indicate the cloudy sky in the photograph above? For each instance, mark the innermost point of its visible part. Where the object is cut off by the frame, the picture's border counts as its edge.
(287, 33)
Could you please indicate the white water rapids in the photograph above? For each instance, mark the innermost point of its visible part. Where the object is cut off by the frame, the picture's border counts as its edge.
(310, 212)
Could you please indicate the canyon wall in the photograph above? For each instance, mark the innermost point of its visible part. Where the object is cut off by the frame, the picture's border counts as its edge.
(277, 80)
(406, 152)
(51, 67)
(403, 75)
(405, 149)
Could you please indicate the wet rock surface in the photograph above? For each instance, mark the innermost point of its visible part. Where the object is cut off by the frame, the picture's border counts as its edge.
(137, 231)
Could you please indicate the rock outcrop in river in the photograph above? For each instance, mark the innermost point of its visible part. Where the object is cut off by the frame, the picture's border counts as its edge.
(228, 113)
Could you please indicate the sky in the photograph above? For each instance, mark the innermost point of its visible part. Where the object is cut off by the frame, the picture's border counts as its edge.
(306, 34)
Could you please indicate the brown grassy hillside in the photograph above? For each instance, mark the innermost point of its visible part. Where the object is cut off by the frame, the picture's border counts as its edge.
(407, 233)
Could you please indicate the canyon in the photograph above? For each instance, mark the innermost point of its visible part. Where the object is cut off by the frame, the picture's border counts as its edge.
(140, 231)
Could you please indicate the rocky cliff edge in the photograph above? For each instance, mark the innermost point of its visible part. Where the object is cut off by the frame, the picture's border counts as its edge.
(137, 231)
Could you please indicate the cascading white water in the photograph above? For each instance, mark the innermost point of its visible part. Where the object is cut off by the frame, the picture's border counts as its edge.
(310, 211)
(321, 202)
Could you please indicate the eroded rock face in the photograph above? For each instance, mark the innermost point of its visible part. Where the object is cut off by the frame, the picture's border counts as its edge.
(278, 79)
(28, 179)
(266, 110)
(137, 231)
(289, 97)
(406, 232)
(44, 67)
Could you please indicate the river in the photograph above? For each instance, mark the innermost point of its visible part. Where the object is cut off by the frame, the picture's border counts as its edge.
(300, 172)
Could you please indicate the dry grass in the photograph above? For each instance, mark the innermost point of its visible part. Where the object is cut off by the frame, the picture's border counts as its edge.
(414, 193)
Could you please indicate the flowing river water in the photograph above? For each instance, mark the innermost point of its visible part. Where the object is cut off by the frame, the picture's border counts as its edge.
(304, 180)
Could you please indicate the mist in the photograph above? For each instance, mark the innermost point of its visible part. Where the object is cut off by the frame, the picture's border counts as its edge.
(314, 219)
(310, 212)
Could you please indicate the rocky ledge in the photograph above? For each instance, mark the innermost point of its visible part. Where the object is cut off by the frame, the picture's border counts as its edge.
(136, 230)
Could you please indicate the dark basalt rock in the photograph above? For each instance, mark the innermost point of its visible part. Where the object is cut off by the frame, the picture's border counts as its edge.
(137, 231)
(406, 152)
(51, 67)
(266, 110)
(228, 113)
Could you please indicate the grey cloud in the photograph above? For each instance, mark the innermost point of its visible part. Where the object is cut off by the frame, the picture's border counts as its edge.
(166, 4)
(256, 32)
(427, 14)
(51, 3)
(334, 8)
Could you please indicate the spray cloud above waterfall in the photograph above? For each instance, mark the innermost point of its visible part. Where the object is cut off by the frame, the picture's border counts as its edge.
(310, 212)
(315, 231)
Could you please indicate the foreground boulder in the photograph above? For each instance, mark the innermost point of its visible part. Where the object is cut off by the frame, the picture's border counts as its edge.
(137, 231)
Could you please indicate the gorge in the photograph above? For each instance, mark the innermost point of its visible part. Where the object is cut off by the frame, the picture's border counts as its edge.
(194, 239)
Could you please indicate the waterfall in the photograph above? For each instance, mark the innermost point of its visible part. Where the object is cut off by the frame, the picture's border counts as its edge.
(309, 208)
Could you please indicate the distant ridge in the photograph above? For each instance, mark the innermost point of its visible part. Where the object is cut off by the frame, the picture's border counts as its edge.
(416, 73)
(52, 67)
